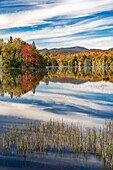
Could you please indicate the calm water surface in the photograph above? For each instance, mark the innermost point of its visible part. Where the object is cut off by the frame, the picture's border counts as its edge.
(80, 95)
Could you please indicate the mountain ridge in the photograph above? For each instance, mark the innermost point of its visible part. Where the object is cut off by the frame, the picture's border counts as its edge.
(71, 50)
(65, 50)
(111, 49)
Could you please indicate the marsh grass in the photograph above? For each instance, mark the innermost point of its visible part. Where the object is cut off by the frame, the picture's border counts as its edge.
(59, 137)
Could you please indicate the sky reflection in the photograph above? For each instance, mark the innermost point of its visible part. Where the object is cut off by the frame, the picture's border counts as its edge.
(89, 103)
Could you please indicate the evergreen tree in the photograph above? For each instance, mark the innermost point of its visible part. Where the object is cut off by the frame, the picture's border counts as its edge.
(11, 39)
(47, 52)
(1, 45)
(33, 45)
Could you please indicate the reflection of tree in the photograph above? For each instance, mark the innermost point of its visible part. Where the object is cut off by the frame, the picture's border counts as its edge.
(46, 81)
(30, 81)
(27, 82)
(85, 73)
(18, 82)
(11, 83)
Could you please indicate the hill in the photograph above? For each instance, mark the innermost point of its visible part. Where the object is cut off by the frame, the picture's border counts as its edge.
(65, 51)
(72, 50)
(111, 49)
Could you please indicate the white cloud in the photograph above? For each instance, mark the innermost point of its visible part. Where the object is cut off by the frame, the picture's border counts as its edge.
(63, 35)
(59, 31)
(88, 42)
(99, 43)
(69, 9)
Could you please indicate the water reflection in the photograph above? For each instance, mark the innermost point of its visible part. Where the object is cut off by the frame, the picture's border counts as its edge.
(43, 138)
(72, 94)
(18, 82)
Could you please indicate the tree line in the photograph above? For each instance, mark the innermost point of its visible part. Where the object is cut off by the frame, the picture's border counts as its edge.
(17, 53)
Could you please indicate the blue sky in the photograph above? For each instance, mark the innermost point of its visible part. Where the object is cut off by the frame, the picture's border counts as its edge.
(58, 23)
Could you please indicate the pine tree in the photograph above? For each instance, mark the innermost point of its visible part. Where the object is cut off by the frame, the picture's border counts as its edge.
(11, 39)
(33, 45)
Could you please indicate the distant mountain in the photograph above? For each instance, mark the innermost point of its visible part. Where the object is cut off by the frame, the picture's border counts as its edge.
(111, 49)
(67, 80)
(65, 51)
(43, 50)
(71, 50)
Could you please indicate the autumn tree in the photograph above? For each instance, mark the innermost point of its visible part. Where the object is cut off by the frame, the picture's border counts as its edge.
(1, 45)
(31, 57)
(11, 52)
(27, 54)
(54, 62)
(8, 52)
(47, 52)
(47, 58)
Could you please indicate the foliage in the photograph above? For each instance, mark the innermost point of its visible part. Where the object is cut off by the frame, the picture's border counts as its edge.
(54, 62)
(1, 45)
(17, 53)
(47, 52)
(11, 53)
(101, 58)
(31, 56)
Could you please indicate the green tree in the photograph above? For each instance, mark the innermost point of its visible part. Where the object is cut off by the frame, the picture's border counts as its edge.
(1, 45)
(33, 45)
(47, 52)
(12, 53)
(54, 62)
(11, 39)
(72, 62)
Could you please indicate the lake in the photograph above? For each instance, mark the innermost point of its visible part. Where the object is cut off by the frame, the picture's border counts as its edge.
(83, 96)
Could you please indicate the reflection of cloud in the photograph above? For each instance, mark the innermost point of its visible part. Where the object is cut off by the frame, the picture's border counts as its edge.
(58, 20)
(88, 103)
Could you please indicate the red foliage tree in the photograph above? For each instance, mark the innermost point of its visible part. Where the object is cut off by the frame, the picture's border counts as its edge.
(27, 54)
(29, 80)
(36, 57)
(30, 56)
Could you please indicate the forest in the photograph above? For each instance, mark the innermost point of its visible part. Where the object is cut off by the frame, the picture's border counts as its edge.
(16, 53)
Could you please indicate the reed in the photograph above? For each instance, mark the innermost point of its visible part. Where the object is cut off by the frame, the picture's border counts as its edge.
(41, 137)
